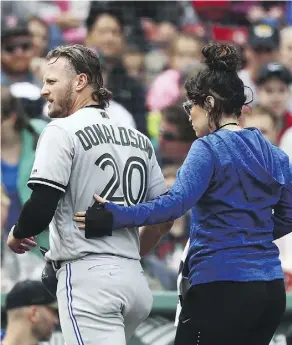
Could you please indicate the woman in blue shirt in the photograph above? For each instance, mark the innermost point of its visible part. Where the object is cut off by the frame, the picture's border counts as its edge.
(238, 186)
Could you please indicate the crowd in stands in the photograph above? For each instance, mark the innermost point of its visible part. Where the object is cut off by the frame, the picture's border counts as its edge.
(148, 49)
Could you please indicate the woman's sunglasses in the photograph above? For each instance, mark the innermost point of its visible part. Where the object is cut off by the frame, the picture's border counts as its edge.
(187, 105)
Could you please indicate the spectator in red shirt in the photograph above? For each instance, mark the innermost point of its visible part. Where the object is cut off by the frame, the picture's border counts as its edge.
(273, 90)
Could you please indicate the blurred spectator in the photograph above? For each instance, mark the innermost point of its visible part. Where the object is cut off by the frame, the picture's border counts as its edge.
(262, 48)
(106, 34)
(190, 71)
(286, 53)
(31, 314)
(176, 135)
(286, 47)
(273, 92)
(164, 91)
(16, 52)
(39, 31)
(133, 60)
(159, 21)
(30, 98)
(130, 13)
(265, 121)
(19, 137)
(268, 12)
(164, 32)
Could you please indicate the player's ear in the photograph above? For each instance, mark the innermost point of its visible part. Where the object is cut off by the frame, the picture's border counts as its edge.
(82, 81)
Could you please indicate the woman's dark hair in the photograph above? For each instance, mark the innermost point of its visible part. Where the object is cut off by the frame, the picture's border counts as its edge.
(219, 80)
(12, 105)
(85, 60)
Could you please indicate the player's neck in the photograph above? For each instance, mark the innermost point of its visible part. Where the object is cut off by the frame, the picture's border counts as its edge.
(82, 103)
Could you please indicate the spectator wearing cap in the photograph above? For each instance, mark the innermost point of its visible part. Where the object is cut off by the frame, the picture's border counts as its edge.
(16, 52)
(175, 136)
(273, 89)
(31, 314)
(262, 48)
(106, 35)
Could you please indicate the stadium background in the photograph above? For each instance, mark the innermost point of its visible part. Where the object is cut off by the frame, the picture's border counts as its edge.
(148, 49)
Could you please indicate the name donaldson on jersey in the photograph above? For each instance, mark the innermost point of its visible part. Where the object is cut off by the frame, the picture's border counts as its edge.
(96, 135)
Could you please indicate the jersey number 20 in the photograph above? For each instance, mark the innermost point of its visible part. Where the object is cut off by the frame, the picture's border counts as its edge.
(133, 163)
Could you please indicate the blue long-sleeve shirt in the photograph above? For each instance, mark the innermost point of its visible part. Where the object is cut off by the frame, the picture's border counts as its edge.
(232, 180)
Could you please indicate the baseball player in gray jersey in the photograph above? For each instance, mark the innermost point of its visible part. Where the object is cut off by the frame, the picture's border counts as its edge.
(102, 293)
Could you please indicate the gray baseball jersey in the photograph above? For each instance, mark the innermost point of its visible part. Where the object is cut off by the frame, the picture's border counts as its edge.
(88, 153)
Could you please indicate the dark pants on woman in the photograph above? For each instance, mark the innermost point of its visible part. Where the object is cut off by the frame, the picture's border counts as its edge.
(231, 313)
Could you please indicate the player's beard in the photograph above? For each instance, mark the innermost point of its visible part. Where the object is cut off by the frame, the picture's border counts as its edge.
(64, 106)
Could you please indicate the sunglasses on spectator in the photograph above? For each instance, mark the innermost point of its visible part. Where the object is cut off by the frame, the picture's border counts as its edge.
(11, 48)
(262, 49)
(169, 136)
(188, 106)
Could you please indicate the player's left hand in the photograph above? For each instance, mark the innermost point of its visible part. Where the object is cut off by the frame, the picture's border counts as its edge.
(20, 246)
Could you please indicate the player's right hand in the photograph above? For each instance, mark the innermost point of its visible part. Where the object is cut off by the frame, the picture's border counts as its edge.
(20, 246)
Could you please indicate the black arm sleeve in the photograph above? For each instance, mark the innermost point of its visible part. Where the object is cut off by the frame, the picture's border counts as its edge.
(37, 212)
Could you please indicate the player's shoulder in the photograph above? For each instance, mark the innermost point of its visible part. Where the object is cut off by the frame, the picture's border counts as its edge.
(65, 123)
(59, 128)
(58, 124)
